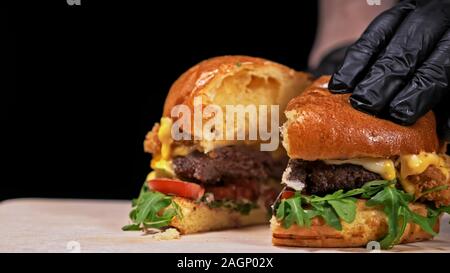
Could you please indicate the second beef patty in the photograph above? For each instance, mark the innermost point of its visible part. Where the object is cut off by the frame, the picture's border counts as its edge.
(321, 178)
(228, 163)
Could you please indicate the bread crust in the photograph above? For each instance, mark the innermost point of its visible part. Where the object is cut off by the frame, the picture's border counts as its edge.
(231, 81)
(322, 125)
(198, 217)
(370, 224)
(200, 79)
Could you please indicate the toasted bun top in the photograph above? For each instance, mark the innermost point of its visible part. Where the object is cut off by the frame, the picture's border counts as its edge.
(236, 80)
(208, 76)
(322, 125)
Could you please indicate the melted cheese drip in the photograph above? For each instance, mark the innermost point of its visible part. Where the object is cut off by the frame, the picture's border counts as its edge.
(161, 162)
(164, 136)
(412, 164)
(384, 167)
(417, 164)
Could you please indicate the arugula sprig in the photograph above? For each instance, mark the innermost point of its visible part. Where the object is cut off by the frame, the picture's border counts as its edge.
(395, 206)
(290, 211)
(341, 205)
(243, 208)
(434, 189)
(331, 207)
(434, 213)
(152, 210)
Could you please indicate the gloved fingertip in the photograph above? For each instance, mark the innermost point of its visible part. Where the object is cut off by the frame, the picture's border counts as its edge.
(402, 116)
(361, 104)
(337, 86)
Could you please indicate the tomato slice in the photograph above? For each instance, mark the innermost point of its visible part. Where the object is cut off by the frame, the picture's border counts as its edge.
(176, 187)
(287, 194)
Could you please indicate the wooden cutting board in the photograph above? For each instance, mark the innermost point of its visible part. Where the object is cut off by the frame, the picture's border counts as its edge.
(58, 225)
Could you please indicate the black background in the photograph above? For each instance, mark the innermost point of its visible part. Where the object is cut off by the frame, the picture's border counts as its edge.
(85, 83)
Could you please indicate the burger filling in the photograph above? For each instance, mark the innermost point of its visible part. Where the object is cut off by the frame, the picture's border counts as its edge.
(316, 177)
(417, 174)
(238, 177)
(232, 173)
(329, 189)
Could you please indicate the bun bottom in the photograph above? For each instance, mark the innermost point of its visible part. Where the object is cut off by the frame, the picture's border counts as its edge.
(201, 218)
(370, 224)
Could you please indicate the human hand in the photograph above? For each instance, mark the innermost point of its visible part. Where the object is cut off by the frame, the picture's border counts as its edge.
(400, 67)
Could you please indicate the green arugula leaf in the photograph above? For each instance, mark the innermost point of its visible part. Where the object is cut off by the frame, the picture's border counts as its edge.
(311, 213)
(290, 211)
(373, 187)
(434, 189)
(445, 209)
(434, 213)
(354, 192)
(404, 219)
(331, 218)
(131, 227)
(341, 205)
(395, 205)
(152, 210)
(280, 211)
(161, 221)
(150, 204)
(243, 208)
(328, 214)
(423, 222)
(391, 203)
(345, 208)
(297, 213)
(333, 196)
(132, 214)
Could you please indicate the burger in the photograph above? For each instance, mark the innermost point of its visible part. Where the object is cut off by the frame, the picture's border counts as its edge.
(353, 178)
(198, 183)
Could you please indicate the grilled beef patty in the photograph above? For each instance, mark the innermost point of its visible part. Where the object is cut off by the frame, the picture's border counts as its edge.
(321, 178)
(228, 163)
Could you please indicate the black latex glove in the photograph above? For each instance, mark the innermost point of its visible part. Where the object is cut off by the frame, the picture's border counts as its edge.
(400, 67)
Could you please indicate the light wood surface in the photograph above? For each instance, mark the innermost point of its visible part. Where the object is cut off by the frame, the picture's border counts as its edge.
(58, 225)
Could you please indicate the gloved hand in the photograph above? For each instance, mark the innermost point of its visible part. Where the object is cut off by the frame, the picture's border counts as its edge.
(400, 66)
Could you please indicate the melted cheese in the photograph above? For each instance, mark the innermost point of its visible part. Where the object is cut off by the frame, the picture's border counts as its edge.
(384, 167)
(152, 175)
(162, 162)
(182, 150)
(414, 164)
(164, 136)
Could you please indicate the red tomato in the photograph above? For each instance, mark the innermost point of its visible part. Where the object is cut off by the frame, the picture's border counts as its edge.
(287, 194)
(176, 187)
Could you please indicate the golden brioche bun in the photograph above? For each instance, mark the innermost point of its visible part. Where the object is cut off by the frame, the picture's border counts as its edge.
(236, 80)
(322, 125)
(198, 217)
(370, 224)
